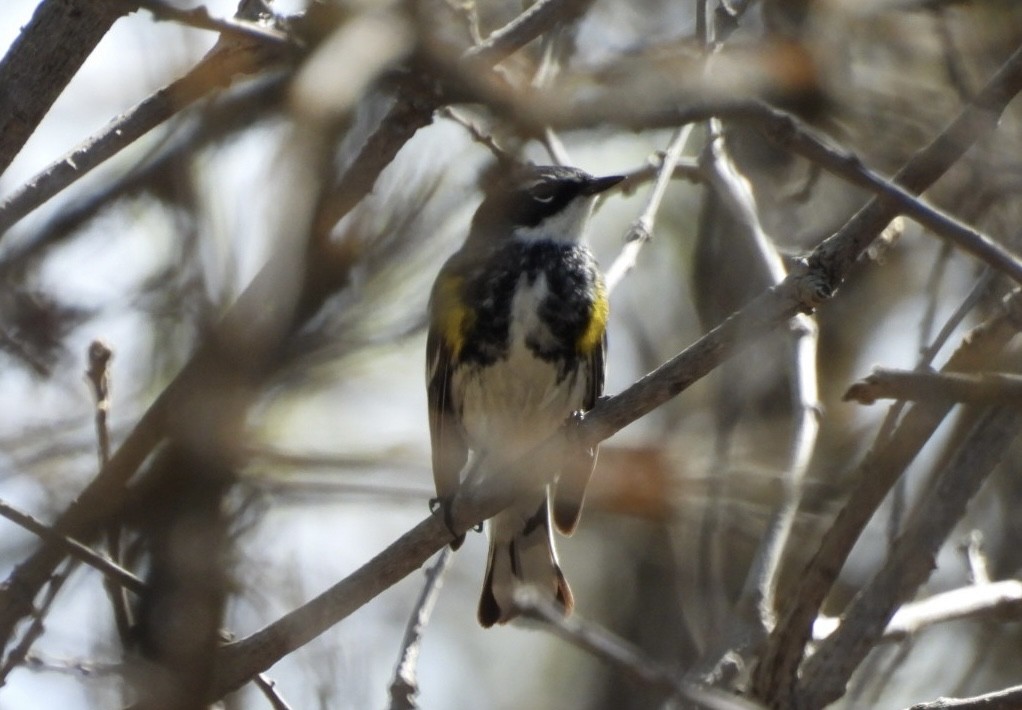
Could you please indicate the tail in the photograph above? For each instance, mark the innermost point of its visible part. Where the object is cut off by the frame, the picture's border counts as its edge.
(521, 553)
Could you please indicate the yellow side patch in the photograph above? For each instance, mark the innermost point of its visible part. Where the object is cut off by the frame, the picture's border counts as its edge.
(592, 336)
(453, 317)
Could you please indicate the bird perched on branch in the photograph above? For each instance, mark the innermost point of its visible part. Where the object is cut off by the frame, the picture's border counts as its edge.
(516, 345)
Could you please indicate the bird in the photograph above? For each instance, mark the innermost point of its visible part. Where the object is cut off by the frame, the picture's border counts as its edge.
(516, 345)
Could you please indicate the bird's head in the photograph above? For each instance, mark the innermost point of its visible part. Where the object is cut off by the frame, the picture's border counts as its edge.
(539, 202)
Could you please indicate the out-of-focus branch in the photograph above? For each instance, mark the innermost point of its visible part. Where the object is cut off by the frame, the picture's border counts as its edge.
(229, 113)
(876, 475)
(405, 685)
(622, 655)
(1007, 699)
(641, 231)
(912, 559)
(985, 388)
(992, 599)
(43, 59)
(200, 18)
(218, 69)
(777, 671)
(73, 548)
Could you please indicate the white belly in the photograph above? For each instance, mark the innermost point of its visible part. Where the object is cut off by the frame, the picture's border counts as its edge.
(516, 403)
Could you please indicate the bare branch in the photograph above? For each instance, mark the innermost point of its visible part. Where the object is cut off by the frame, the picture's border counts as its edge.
(75, 549)
(991, 599)
(876, 475)
(41, 62)
(217, 70)
(913, 558)
(1007, 699)
(622, 655)
(200, 18)
(405, 685)
(985, 388)
(778, 667)
(641, 231)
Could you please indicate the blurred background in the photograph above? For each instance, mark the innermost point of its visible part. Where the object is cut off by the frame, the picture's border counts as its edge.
(335, 437)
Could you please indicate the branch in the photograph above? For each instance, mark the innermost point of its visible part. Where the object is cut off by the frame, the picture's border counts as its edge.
(992, 599)
(200, 18)
(405, 685)
(215, 71)
(876, 475)
(641, 231)
(1007, 699)
(985, 388)
(879, 471)
(43, 59)
(75, 549)
(619, 653)
(913, 557)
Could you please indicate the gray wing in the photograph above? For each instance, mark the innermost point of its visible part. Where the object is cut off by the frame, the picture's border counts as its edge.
(571, 486)
(450, 451)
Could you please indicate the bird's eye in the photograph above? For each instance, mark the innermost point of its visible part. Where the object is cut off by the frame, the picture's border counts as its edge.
(543, 192)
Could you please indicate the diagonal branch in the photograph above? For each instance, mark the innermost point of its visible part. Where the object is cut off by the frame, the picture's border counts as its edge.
(47, 54)
(215, 71)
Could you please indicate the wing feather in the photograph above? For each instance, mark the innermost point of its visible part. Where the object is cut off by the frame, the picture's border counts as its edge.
(571, 486)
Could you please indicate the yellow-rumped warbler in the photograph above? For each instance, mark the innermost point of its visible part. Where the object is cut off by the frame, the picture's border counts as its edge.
(516, 345)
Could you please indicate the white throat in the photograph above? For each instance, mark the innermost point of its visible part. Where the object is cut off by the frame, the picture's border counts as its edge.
(568, 225)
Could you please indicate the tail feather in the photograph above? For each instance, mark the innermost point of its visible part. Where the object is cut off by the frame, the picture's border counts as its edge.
(521, 553)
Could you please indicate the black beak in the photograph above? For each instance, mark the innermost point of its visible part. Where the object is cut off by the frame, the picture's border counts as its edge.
(601, 184)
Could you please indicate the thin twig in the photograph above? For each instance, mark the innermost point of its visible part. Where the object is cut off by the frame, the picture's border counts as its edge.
(269, 690)
(1007, 699)
(914, 385)
(622, 655)
(477, 133)
(1002, 600)
(405, 685)
(75, 549)
(641, 231)
(18, 654)
(200, 18)
(98, 374)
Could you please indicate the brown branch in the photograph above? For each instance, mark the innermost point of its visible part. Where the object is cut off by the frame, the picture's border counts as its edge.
(777, 671)
(215, 71)
(912, 560)
(47, 54)
(876, 475)
(109, 569)
(985, 388)
(622, 655)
